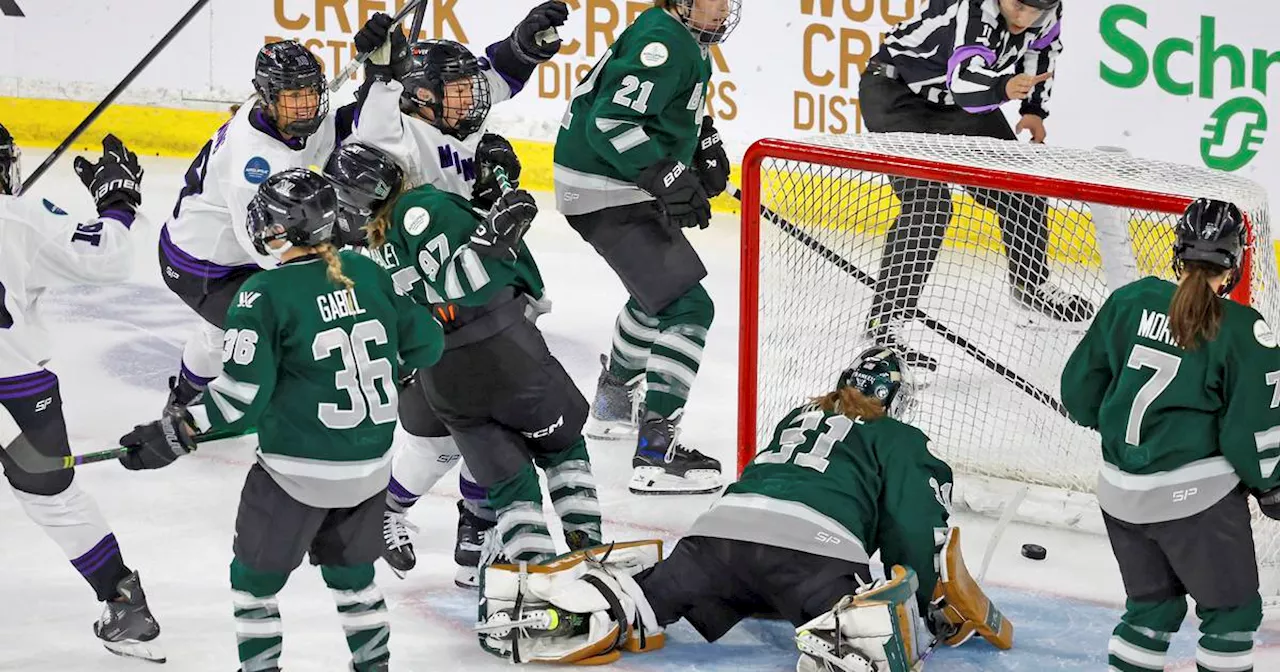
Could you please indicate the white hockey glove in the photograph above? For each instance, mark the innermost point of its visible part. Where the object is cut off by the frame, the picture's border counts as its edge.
(878, 629)
(581, 608)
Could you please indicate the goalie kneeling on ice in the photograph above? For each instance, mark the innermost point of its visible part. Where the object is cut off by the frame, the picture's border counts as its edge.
(581, 608)
(879, 628)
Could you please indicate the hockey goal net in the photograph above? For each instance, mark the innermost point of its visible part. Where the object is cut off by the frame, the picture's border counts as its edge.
(817, 218)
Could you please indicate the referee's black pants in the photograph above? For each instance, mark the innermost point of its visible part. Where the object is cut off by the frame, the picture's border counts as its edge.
(916, 235)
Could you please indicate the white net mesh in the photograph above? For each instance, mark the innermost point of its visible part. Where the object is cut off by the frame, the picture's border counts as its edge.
(995, 286)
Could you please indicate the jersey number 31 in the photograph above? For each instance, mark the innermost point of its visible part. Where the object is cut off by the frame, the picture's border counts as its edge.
(793, 437)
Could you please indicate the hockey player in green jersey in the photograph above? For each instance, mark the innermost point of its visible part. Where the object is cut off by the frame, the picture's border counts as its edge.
(503, 397)
(842, 478)
(312, 353)
(635, 164)
(1183, 384)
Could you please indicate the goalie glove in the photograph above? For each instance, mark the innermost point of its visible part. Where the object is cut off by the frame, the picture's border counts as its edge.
(500, 234)
(581, 608)
(878, 629)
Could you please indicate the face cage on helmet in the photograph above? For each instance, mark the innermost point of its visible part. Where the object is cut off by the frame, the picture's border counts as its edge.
(11, 171)
(684, 9)
(300, 128)
(475, 116)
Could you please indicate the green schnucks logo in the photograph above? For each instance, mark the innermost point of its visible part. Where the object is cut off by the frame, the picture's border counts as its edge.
(1234, 133)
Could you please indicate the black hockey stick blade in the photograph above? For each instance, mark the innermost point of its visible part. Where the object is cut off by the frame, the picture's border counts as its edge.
(939, 328)
(115, 93)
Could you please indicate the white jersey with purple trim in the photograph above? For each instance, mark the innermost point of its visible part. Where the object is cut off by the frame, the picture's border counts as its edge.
(427, 155)
(42, 247)
(208, 222)
(961, 52)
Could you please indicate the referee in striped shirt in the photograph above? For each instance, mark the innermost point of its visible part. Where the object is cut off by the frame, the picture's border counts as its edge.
(948, 71)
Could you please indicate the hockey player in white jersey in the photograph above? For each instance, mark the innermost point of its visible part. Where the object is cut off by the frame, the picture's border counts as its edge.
(42, 247)
(445, 93)
(205, 251)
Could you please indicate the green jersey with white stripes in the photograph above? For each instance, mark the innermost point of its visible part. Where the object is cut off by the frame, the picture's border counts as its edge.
(841, 487)
(1180, 428)
(640, 104)
(428, 253)
(313, 365)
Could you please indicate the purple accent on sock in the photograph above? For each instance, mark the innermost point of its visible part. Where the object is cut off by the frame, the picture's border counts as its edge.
(401, 493)
(1047, 40)
(472, 491)
(27, 385)
(962, 56)
(198, 381)
(99, 555)
(193, 265)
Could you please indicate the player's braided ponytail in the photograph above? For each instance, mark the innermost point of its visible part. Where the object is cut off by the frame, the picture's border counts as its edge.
(1195, 312)
(376, 230)
(850, 402)
(330, 256)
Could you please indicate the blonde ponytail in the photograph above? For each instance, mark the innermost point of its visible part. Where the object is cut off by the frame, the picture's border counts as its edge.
(850, 402)
(331, 259)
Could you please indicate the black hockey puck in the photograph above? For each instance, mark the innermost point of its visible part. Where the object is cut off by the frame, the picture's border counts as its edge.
(1034, 552)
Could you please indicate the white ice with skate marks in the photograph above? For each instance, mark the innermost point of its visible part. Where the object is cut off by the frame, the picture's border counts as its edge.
(115, 347)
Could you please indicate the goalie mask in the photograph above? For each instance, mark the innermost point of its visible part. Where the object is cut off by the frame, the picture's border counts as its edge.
(880, 373)
(448, 83)
(10, 164)
(365, 178)
(296, 206)
(1213, 232)
(710, 21)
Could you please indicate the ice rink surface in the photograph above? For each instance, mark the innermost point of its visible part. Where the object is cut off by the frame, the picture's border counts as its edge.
(114, 348)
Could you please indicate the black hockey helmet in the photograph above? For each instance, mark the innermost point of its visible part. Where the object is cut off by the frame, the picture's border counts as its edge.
(710, 21)
(1214, 232)
(289, 67)
(10, 163)
(297, 206)
(447, 79)
(1041, 4)
(364, 178)
(881, 374)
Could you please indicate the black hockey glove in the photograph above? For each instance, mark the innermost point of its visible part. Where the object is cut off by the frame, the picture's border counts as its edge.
(373, 33)
(157, 444)
(499, 235)
(115, 181)
(710, 160)
(524, 39)
(493, 151)
(1269, 503)
(391, 61)
(679, 192)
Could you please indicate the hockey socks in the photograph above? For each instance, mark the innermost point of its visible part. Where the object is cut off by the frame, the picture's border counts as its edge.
(72, 519)
(522, 529)
(1226, 637)
(259, 631)
(573, 494)
(633, 336)
(419, 464)
(363, 613)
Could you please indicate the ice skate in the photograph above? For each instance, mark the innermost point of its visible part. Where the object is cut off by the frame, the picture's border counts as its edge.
(616, 408)
(399, 549)
(127, 627)
(664, 466)
(1052, 302)
(472, 530)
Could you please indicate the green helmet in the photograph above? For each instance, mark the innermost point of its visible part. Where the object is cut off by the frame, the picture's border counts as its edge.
(880, 373)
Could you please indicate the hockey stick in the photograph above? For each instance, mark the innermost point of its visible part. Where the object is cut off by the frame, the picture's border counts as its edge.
(32, 461)
(418, 15)
(115, 93)
(1010, 510)
(359, 60)
(915, 313)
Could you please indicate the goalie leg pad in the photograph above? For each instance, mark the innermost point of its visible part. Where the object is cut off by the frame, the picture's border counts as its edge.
(876, 630)
(581, 608)
(958, 601)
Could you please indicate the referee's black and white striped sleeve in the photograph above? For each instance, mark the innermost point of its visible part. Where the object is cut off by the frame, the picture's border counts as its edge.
(974, 85)
(1042, 57)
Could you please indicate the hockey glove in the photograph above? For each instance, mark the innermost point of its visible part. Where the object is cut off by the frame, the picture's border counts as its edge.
(157, 444)
(115, 181)
(499, 235)
(1269, 503)
(373, 33)
(710, 160)
(679, 193)
(493, 151)
(524, 39)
